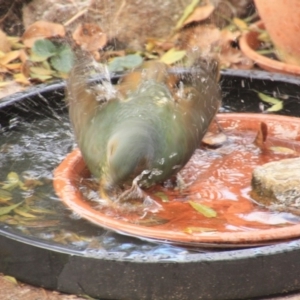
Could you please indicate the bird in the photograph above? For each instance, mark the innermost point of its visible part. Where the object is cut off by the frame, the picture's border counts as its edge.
(144, 129)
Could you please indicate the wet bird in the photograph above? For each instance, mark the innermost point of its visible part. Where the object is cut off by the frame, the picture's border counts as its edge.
(143, 130)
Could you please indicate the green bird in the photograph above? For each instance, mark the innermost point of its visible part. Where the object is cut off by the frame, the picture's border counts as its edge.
(143, 130)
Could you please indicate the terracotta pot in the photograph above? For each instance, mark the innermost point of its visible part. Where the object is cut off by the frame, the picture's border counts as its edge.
(67, 177)
(249, 43)
(281, 19)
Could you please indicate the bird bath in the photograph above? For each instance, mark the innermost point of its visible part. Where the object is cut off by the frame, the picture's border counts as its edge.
(49, 245)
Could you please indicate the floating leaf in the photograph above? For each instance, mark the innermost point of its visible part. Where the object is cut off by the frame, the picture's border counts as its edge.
(24, 213)
(173, 56)
(125, 62)
(162, 196)
(203, 209)
(282, 150)
(44, 48)
(187, 12)
(12, 181)
(276, 107)
(277, 104)
(7, 209)
(63, 60)
(5, 195)
(191, 230)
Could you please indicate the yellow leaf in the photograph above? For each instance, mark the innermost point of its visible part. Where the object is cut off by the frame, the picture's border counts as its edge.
(40, 77)
(203, 209)
(20, 78)
(41, 71)
(11, 279)
(200, 13)
(24, 213)
(188, 10)
(276, 107)
(35, 58)
(173, 56)
(14, 66)
(6, 83)
(10, 56)
(240, 24)
(282, 150)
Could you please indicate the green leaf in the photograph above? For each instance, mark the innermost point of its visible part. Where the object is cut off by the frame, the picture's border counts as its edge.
(162, 196)
(173, 56)
(5, 195)
(7, 209)
(122, 63)
(188, 10)
(203, 209)
(44, 48)
(12, 181)
(268, 99)
(276, 107)
(63, 60)
(277, 104)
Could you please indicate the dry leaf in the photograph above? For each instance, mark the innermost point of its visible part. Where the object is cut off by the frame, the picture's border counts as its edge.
(199, 14)
(261, 136)
(90, 37)
(40, 30)
(205, 38)
(4, 42)
(9, 57)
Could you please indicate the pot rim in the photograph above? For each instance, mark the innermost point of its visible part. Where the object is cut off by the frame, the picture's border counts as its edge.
(264, 62)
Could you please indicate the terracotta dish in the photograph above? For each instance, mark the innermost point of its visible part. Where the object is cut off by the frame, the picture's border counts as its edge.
(230, 226)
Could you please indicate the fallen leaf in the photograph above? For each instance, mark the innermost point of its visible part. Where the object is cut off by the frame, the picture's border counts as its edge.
(90, 37)
(186, 13)
(41, 71)
(277, 104)
(44, 48)
(240, 24)
(41, 30)
(63, 60)
(125, 62)
(282, 150)
(162, 196)
(276, 107)
(12, 181)
(5, 45)
(200, 13)
(203, 209)
(5, 195)
(173, 56)
(262, 135)
(21, 78)
(11, 279)
(7, 209)
(9, 57)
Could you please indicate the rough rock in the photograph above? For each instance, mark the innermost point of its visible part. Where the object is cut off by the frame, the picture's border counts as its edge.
(278, 183)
